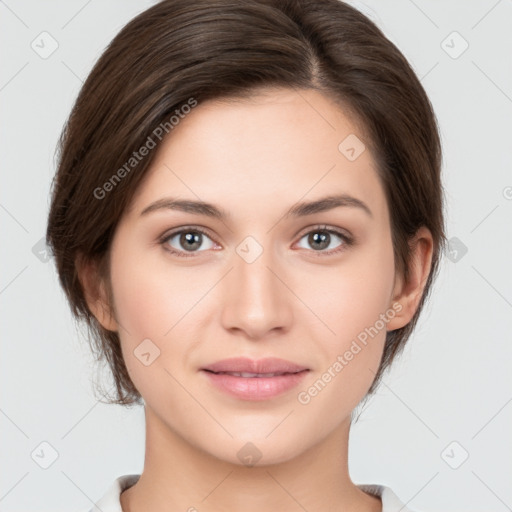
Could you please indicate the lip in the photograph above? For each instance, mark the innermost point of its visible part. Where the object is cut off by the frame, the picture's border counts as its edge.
(245, 364)
(255, 388)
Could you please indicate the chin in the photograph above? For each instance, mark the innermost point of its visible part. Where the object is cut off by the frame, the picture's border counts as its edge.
(257, 451)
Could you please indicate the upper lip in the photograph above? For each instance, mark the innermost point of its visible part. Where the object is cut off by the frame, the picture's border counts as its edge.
(244, 364)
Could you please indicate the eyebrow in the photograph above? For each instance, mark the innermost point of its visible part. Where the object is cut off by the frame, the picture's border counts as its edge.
(298, 210)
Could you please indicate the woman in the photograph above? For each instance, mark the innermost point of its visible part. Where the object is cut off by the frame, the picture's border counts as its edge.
(248, 214)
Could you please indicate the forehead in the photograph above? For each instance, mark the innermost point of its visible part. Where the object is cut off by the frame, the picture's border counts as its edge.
(277, 145)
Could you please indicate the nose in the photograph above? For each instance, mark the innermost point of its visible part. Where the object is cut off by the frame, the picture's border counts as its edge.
(256, 300)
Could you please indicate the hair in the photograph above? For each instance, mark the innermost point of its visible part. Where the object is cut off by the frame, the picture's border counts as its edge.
(177, 52)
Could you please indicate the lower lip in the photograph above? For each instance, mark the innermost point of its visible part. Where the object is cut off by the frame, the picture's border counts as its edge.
(255, 388)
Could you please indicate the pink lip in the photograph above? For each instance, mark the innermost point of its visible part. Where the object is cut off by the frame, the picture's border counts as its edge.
(255, 388)
(244, 364)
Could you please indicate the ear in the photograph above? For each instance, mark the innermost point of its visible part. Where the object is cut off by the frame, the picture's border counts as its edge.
(408, 294)
(95, 291)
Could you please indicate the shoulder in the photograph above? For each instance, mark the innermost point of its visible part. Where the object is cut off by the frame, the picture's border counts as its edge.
(390, 501)
(110, 501)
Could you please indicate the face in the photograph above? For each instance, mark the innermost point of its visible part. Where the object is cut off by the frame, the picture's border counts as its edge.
(267, 278)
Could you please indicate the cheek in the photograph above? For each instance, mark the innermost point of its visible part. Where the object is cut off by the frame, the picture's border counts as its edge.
(352, 297)
(151, 304)
(352, 301)
(150, 295)
(355, 296)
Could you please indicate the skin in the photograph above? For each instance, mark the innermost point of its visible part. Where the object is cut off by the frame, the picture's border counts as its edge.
(255, 159)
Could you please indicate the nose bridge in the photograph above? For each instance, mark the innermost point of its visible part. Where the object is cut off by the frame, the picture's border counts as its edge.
(256, 301)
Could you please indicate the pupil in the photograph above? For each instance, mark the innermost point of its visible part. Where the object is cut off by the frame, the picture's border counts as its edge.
(191, 238)
(321, 241)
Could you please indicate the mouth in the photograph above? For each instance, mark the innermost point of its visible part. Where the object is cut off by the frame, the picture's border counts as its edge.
(254, 386)
(246, 367)
(255, 375)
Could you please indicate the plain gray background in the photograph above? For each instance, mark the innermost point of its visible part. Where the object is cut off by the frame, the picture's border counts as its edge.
(438, 430)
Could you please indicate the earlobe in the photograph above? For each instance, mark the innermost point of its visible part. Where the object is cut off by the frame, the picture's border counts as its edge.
(408, 294)
(95, 292)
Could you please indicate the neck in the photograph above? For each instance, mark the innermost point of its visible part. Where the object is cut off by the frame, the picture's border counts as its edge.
(179, 476)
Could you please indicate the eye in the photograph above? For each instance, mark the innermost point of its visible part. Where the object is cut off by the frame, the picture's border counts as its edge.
(321, 238)
(187, 240)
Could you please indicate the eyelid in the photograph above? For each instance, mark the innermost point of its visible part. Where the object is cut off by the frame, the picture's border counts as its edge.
(324, 227)
(190, 227)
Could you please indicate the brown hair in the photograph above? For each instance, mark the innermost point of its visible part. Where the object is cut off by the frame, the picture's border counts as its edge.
(178, 51)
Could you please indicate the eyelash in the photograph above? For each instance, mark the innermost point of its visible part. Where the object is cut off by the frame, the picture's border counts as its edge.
(348, 241)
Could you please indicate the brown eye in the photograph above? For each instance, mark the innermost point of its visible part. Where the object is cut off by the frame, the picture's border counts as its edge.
(321, 238)
(187, 241)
